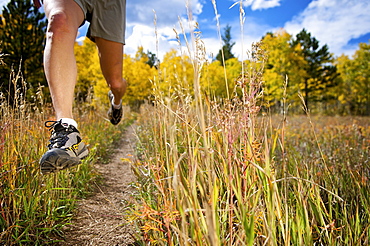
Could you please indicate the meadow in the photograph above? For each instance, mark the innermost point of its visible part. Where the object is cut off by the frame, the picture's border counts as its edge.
(207, 174)
(35, 207)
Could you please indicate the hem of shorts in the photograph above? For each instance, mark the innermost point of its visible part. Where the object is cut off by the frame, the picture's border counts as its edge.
(117, 40)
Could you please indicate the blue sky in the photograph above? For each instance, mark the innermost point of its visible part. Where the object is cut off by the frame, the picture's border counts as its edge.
(341, 24)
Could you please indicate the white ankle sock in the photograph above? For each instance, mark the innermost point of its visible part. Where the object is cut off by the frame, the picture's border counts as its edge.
(69, 121)
(116, 106)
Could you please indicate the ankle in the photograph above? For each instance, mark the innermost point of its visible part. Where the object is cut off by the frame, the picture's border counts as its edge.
(69, 121)
(116, 106)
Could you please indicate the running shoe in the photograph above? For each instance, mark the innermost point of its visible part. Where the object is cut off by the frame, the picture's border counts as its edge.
(66, 148)
(114, 114)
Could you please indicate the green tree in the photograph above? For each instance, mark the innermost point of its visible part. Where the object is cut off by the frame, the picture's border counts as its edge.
(225, 52)
(22, 42)
(320, 71)
(152, 59)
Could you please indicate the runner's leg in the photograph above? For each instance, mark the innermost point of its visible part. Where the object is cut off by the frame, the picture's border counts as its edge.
(111, 62)
(64, 17)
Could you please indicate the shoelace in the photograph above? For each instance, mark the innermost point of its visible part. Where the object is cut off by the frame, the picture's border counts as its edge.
(54, 122)
(58, 133)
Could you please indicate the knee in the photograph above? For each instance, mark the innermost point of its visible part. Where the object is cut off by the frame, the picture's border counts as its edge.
(118, 84)
(58, 25)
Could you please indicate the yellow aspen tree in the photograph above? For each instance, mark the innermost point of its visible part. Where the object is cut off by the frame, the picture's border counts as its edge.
(89, 73)
(139, 75)
(282, 69)
(213, 80)
(176, 74)
(353, 91)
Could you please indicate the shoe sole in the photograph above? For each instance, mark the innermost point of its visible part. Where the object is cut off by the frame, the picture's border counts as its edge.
(57, 159)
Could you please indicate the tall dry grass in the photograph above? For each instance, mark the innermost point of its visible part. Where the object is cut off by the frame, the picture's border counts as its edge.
(224, 172)
(34, 207)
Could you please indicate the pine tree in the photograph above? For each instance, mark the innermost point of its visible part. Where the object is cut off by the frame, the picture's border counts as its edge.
(23, 38)
(225, 53)
(320, 73)
(152, 59)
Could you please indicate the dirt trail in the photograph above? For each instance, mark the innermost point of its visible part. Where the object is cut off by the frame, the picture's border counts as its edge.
(99, 219)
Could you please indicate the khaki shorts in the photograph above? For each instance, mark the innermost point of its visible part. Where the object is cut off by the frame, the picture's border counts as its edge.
(107, 19)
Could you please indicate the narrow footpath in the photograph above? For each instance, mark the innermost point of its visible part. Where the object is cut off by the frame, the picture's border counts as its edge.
(99, 220)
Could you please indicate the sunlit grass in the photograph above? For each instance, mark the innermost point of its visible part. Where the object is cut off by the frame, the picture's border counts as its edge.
(34, 207)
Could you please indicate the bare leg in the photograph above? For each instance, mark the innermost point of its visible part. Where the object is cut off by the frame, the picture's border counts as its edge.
(111, 61)
(64, 18)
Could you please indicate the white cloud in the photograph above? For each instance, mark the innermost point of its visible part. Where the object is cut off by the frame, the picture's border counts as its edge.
(153, 22)
(80, 39)
(2, 4)
(334, 22)
(261, 4)
(167, 12)
(145, 36)
(252, 32)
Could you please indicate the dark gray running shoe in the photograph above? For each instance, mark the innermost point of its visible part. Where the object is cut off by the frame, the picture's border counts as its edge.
(66, 148)
(114, 115)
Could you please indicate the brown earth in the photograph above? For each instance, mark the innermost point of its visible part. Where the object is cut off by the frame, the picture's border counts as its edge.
(100, 217)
